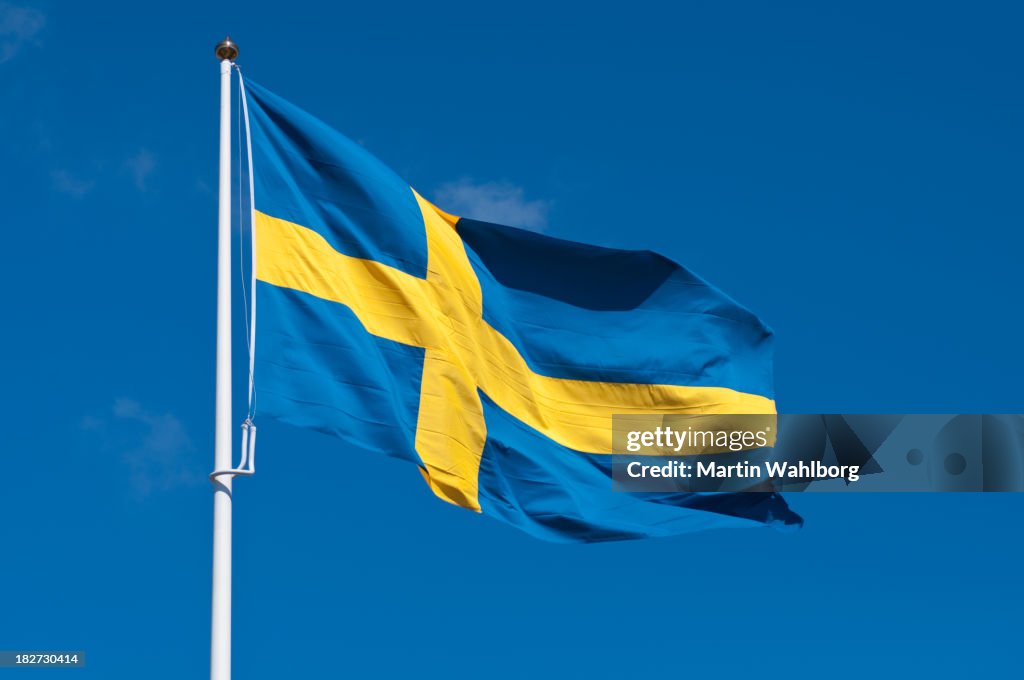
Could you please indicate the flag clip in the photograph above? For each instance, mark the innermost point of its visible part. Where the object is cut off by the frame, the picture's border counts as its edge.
(247, 466)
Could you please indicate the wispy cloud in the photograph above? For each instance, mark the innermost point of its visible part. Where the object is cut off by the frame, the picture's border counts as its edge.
(68, 183)
(141, 166)
(155, 447)
(500, 202)
(19, 27)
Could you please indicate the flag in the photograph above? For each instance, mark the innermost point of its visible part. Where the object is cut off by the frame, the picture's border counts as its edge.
(490, 357)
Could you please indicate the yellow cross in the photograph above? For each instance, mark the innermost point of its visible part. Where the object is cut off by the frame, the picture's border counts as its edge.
(443, 314)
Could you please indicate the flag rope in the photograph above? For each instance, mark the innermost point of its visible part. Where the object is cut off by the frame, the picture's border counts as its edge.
(251, 321)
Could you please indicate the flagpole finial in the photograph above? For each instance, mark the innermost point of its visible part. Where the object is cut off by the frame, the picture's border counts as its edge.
(226, 49)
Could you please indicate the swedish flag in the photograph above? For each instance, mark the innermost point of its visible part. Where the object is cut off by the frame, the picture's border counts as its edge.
(490, 357)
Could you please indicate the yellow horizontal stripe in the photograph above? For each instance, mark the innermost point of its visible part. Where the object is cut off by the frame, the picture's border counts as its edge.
(443, 313)
(386, 300)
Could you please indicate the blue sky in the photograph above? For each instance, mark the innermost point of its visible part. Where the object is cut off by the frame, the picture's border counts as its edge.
(850, 172)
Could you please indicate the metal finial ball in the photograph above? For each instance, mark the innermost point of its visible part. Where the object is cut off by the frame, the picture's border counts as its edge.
(226, 49)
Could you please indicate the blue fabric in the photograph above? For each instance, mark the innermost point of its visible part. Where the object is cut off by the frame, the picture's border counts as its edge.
(317, 367)
(309, 174)
(559, 494)
(582, 312)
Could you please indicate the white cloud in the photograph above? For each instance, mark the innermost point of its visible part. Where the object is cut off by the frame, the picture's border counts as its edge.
(18, 27)
(141, 165)
(155, 447)
(127, 408)
(68, 183)
(499, 202)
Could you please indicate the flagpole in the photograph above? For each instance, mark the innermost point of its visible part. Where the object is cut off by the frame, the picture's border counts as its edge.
(220, 619)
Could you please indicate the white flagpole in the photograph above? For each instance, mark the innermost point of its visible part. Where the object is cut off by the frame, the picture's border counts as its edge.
(220, 629)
